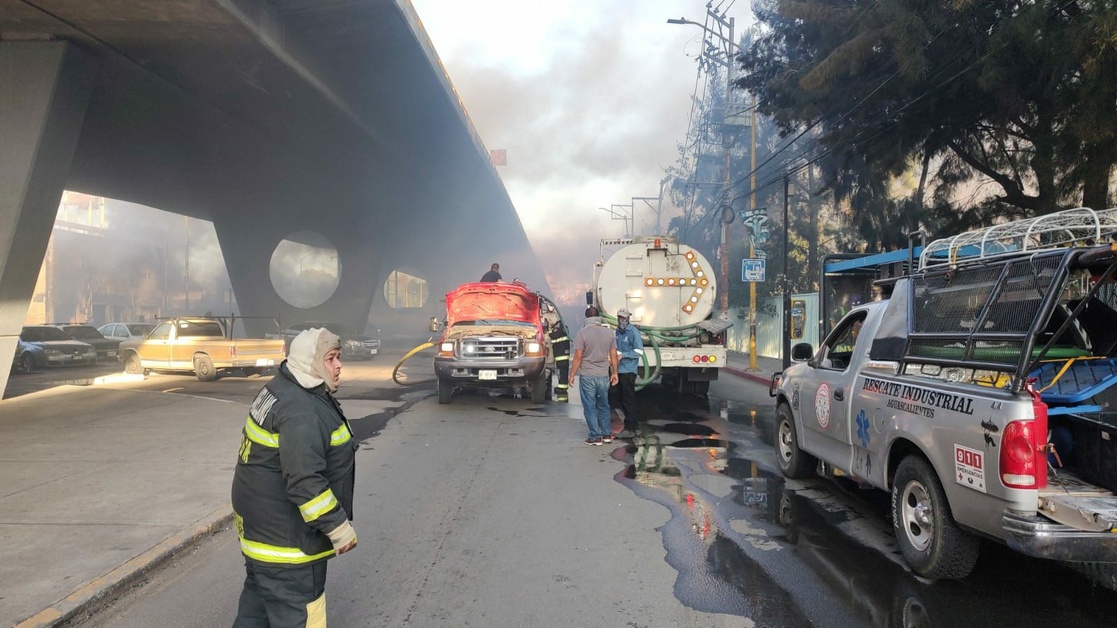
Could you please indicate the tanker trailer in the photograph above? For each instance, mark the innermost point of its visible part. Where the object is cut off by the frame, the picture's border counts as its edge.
(671, 290)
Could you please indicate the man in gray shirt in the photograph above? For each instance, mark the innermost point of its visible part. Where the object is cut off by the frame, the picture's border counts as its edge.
(595, 360)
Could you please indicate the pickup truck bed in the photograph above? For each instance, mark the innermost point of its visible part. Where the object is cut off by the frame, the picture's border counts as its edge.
(200, 346)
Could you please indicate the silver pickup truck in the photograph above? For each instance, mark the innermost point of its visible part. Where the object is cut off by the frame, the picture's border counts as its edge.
(980, 394)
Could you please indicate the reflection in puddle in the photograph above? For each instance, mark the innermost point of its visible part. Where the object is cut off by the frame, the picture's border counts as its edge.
(715, 575)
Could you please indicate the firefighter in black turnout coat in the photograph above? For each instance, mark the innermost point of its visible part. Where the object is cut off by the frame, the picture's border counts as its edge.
(293, 487)
(560, 349)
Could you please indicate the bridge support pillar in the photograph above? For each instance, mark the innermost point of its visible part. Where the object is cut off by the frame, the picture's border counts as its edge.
(43, 99)
(249, 238)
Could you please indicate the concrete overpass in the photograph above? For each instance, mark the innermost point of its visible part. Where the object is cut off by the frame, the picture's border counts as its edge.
(266, 117)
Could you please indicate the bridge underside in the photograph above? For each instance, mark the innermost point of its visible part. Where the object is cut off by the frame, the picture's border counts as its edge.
(266, 117)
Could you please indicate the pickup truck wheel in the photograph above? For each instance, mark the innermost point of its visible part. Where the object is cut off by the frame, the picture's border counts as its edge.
(794, 462)
(203, 368)
(929, 539)
(445, 391)
(132, 365)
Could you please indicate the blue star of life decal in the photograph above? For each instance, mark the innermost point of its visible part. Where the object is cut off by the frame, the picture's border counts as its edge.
(863, 428)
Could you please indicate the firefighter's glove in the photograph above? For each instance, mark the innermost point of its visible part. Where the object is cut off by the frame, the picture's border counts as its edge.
(343, 537)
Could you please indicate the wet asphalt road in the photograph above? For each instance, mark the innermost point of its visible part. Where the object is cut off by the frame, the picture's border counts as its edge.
(741, 543)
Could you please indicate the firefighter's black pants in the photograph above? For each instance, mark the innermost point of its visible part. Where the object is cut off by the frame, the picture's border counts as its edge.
(283, 596)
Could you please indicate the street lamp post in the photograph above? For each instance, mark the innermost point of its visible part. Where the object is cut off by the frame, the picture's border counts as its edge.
(728, 45)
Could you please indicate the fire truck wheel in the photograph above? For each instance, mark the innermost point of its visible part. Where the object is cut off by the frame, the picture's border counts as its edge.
(929, 539)
(445, 391)
(794, 462)
(539, 387)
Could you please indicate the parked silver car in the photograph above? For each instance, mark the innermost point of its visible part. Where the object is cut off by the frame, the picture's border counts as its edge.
(126, 331)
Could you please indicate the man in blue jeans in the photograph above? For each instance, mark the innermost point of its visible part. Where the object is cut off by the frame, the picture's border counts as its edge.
(595, 360)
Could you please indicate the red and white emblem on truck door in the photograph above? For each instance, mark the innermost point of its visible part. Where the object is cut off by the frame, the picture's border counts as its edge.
(822, 404)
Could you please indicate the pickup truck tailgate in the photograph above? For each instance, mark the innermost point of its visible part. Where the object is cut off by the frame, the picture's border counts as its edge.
(1072, 502)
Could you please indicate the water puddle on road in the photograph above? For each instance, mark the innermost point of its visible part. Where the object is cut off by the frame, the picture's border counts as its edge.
(746, 542)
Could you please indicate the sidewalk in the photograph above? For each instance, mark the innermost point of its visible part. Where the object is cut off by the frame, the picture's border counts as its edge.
(99, 485)
(738, 364)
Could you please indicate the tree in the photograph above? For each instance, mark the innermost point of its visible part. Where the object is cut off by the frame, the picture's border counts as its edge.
(1019, 93)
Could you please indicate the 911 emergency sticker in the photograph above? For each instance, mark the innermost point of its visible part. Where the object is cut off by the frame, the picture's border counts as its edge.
(969, 468)
(822, 404)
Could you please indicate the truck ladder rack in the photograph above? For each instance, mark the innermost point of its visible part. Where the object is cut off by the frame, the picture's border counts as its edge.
(1071, 227)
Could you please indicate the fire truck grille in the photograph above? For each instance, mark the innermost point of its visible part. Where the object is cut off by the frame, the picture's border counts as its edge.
(490, 348)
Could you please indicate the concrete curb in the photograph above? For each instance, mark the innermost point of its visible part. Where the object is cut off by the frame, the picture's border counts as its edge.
(102, 589)
(759, 376)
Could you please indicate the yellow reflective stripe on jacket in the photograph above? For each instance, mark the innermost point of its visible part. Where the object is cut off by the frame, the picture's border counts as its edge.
(561, 357)
(340, 436)
(560, 339)
(275, 554)
(314, 508)
(257, 434)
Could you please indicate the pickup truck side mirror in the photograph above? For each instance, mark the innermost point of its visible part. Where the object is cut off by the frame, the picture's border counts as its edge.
(802, 351)
(434, 324)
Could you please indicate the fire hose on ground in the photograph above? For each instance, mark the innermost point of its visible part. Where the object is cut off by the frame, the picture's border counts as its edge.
(395, 372)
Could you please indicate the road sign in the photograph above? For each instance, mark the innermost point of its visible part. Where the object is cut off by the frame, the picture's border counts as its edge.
(757, 222)
(752, 270)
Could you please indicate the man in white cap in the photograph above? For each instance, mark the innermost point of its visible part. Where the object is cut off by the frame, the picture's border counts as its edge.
(630, 348)
(293, 487)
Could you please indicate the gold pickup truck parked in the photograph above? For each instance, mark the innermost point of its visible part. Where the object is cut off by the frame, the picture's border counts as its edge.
(201, 345)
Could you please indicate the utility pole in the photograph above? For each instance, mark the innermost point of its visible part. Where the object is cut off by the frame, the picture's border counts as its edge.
(727, 143)
(728, 44)
(658, 209)
(786, 280)
(627, 217)
(752, 242)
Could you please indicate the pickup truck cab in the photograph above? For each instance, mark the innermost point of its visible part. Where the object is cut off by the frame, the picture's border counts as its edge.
(202, 346)
(976, 394)
(493, 338)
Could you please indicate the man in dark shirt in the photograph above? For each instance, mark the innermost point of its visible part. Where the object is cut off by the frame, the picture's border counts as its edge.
(493, 274)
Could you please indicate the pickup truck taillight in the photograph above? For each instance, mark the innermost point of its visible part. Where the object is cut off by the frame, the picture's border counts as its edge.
(1024, 448)
(233, 352)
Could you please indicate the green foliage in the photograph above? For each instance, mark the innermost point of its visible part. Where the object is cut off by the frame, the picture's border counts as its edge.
(954, 95)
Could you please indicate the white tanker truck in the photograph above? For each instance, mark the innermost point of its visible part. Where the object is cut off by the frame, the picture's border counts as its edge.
(671, 291)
